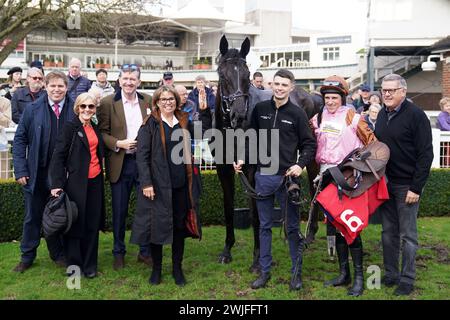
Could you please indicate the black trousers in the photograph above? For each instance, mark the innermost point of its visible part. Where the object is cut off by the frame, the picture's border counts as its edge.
(83, 251)
(32, 224)
(179, 211)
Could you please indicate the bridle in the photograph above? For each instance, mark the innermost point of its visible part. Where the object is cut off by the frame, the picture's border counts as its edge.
(228, 100)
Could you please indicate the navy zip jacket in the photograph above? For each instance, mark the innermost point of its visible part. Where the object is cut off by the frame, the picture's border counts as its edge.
(408, 136)
(294, 134)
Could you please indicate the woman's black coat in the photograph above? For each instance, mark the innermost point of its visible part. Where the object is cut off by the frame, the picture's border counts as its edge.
(69, 168)
(153, 221)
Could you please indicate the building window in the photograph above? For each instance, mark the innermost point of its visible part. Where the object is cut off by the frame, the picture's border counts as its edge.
(331, 54)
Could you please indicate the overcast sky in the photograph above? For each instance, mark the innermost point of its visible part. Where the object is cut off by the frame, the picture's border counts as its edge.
(333, 15)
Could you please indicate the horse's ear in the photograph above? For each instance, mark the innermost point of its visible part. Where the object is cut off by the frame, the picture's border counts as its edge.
(223, 45)
(245, 47)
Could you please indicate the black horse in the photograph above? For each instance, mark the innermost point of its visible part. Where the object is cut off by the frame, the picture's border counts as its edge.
(235, 101)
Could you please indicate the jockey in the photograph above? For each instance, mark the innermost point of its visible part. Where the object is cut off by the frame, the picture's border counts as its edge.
(339, 130)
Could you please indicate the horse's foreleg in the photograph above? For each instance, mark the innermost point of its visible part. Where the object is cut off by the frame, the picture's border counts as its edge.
(313, 170)
(255, 267)
(226, 177)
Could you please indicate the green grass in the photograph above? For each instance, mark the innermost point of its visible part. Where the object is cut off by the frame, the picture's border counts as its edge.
(209, 280)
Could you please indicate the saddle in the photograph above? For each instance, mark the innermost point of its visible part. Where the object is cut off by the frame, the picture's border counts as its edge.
(359, 170)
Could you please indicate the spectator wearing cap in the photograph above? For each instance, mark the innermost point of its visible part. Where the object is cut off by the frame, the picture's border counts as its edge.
(77, 83)
(14, 82)
(167, 79)
(31, 92)
(102, 83)
(37, 64)
(339, 130)
(201, 94)
(362, 104)
(119, 118)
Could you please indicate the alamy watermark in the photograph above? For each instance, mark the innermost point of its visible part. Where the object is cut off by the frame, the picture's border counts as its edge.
(73, 281)
(73, 20)
(252, 146)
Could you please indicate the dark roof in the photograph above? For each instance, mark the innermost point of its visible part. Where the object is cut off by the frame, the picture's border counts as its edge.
(443, 44)
(402, 51)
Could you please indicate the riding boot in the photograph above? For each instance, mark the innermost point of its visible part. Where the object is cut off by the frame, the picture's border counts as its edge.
(296, 279)
(177, 259)
(156, 251)
(344, 276)
(356, 251)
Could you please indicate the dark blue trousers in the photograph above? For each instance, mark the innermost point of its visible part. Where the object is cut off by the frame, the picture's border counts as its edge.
(31, 234)
(267, 184)
(120, 193)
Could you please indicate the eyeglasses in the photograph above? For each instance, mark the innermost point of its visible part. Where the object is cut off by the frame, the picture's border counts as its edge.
(390, 91)
(164, 100)
(130, 67)
(90, 106)
(37, 78)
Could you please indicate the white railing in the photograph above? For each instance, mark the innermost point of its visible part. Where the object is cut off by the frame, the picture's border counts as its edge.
(441, 149)
(6, 167)
(202, 154)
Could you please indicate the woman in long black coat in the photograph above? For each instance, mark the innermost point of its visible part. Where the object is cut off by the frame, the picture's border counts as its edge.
(76, 168)
(169, 184)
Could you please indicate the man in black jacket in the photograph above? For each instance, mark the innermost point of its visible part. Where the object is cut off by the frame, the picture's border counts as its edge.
(405, 128)
(280, 117)
(26, 95)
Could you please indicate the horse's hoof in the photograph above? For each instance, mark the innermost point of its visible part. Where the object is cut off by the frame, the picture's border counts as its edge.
(310, 238)
(225, 259)
(255, 268)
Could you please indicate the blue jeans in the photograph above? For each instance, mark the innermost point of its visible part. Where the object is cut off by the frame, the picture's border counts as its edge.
(399, 222)
(120, 194)
(266, 184)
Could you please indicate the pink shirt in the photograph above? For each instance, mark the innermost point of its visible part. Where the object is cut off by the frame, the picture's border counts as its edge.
(335, 140)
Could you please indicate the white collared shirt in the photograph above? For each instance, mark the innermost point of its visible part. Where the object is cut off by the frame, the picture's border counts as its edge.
(133, 116)
(60, 104)
(174, 120)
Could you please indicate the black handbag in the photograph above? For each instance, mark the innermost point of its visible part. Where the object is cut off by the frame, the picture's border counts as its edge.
(59, 215)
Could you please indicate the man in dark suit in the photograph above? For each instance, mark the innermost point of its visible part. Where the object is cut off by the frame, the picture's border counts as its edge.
(120, 117)
(34, 142)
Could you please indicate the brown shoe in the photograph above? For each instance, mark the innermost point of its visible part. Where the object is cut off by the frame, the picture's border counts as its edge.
(119, 262)
(146, 260)
(21, 267)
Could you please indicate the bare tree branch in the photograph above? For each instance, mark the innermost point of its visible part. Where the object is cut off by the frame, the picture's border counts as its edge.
(100, 18)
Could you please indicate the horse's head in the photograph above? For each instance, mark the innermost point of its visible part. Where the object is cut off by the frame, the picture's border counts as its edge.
(234, 82)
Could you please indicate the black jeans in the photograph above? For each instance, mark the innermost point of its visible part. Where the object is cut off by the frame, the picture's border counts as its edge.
(399, 221)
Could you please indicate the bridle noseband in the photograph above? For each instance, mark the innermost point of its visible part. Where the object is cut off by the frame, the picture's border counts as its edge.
(227, 101)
